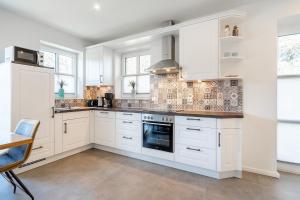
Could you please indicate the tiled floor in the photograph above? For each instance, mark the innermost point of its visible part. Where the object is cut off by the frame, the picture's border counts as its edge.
(96, 174)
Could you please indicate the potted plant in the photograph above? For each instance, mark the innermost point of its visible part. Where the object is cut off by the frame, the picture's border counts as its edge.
(61, 91)
(132, 85)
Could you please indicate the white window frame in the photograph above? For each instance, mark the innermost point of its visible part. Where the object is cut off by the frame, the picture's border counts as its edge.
(74, 56)
(129, 55)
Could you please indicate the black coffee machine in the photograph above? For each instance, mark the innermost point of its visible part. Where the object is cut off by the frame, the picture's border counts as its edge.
(108, 100)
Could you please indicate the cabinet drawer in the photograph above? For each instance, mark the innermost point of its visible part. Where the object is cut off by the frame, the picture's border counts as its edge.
(195, 135)
(76, 115)
(41, 150)
(129, 116)
(129, 142)
(122, 124)
(105, 114)
(130, 132)
(196, 121)
(195, 156)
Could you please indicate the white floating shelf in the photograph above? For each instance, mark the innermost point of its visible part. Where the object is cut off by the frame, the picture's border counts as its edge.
(231, 39)
(231, 77)
(232, 59)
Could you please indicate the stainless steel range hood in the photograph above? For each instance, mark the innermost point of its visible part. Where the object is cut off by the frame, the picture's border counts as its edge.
(167, 65)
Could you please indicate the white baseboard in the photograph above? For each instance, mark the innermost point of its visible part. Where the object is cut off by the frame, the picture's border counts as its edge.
(53, 159)
(274, 174)
(172, 164)
(288, 167)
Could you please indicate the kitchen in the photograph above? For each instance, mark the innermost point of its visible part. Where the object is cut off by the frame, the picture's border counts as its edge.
(179, 96)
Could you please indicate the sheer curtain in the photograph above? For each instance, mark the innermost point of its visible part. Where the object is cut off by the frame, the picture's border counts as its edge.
(288, 99)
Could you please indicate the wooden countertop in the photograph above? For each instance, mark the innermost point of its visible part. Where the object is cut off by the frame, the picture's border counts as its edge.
(175, 113)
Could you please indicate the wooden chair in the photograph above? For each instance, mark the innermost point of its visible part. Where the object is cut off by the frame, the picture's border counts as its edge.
(16, 156)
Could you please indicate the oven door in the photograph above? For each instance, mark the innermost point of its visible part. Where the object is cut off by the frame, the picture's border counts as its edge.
(158, 136)
(25, 56)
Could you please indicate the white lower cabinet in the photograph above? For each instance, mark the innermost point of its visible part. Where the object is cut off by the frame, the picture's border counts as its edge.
(75, 133)
(229, 150)
(128, 132)
(105, 128)
(41, 149)
(196, 156)
(212, 144)
(71, 131)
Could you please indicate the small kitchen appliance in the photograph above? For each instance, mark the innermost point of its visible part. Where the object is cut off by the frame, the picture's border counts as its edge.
(108, 100)
(92, 103)
(24, 56)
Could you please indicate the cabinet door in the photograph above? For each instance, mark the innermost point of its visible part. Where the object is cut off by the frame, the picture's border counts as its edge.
(33, 100)
(199, 50)
(75, 133)
(229, 150)
(93, 66)
(105, 131)
(106, 66)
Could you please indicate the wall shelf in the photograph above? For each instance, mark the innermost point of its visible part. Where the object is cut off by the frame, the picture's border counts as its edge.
(232, 59)
(231, 39)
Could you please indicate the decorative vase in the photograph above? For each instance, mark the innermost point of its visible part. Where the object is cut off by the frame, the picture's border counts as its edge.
(61, 93)
(133, 93)
(227, 30)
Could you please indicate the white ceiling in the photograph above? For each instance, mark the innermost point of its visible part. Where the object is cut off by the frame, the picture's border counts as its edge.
(117, 17)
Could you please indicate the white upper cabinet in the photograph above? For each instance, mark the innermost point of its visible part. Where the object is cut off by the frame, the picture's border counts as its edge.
(99, 66)
(199, 50)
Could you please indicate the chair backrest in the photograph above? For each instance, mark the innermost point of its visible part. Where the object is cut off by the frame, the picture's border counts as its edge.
(26, 128)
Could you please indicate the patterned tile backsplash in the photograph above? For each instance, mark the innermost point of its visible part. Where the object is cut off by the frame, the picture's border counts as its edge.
(168, 92)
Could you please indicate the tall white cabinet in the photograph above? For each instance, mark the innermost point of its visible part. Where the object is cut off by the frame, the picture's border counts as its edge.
(28, 93)
(199, 50)
(99, 66)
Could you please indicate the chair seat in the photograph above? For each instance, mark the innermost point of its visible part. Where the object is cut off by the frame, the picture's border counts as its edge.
(6, 160)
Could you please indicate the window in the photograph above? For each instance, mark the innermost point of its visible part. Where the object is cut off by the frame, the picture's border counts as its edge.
(65, 65)
(134, 70)
(288, 83)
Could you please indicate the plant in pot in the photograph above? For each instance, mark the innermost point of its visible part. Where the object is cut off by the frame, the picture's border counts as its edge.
(132, 85)
(61, 91)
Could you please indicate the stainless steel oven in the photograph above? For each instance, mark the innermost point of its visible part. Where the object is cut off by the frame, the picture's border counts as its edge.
(158, 132)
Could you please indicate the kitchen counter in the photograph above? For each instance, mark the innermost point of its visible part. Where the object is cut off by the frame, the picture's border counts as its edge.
(141, 110)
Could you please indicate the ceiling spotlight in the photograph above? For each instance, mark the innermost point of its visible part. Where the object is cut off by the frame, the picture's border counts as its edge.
(97, 6)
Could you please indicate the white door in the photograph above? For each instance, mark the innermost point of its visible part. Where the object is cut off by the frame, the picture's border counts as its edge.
(229, 150)
(93, 66)
(75, 133)
(199, 50)
(33, 98)
(105, 131)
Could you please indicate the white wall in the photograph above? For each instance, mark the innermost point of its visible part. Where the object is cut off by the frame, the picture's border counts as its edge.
(260, 76)
(19, 31)
(289, 25)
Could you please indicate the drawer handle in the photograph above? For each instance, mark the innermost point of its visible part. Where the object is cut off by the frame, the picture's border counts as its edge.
(193, 129)
(128, 114)
(128, 138)
(127, 122)
(65, 131)
(37, 148)
(192, 149)
(193, 119)
(104, 112)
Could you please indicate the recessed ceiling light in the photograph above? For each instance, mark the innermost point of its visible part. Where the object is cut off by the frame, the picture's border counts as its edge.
(97, 6)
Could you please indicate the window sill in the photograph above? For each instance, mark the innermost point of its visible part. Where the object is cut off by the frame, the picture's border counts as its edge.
(136, 97)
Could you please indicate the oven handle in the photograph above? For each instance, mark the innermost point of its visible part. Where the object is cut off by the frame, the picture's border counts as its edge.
(153, 123)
